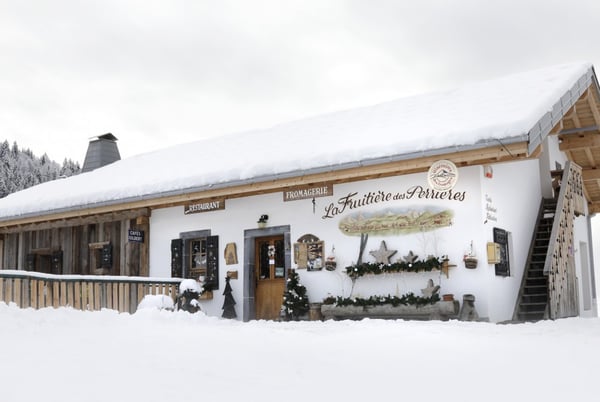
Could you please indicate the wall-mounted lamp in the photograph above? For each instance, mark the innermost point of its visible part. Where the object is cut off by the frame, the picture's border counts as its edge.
(262, 221)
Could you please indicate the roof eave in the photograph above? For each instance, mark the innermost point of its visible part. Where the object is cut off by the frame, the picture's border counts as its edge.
(9, 220)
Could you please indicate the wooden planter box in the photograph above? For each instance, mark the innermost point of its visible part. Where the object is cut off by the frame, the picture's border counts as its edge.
(442, 310)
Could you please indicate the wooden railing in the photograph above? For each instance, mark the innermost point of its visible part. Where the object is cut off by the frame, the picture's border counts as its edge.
(560, 259)
(81, 292)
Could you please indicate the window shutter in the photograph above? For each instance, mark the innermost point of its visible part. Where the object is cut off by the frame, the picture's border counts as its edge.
(176, 258)
(31, 262)
(106, 256)
(501, 237)
(212, 262)
(57, 262)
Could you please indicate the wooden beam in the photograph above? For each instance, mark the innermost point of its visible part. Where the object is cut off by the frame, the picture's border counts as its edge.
(590, 157)
(579, 141)
(594, 107)
(492, 154)
(594, 207)
(578, 130)
(65, 221)
(590, 174)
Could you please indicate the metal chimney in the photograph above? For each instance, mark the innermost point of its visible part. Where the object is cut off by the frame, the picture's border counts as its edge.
(101, 151)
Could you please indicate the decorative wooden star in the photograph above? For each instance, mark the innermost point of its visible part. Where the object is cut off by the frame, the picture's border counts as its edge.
(430, 290)
(411, 257)
(383, 255)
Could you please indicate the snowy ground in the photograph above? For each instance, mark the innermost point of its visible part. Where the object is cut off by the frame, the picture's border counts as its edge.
(68, 355)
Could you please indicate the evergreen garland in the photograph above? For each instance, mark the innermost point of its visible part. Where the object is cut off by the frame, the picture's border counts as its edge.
(358, 270)
(409, 299)
(295, 300)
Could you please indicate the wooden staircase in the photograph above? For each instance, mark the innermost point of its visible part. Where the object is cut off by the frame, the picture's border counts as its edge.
(532, 303)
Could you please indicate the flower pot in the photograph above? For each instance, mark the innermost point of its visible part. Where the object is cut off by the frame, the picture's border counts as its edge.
(448, 297)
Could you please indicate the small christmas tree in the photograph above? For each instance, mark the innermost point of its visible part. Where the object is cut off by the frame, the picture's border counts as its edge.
(295, 301)
(229, 302)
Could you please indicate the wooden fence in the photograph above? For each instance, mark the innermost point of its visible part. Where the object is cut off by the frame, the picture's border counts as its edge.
(82, 292)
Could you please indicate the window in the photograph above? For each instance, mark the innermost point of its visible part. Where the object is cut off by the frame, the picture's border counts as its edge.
(196, 255)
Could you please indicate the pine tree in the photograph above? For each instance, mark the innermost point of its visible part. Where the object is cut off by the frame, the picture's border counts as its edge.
(229, 302)
(295, 300)
(20, 169)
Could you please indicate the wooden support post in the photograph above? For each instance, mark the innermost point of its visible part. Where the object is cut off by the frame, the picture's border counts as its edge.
(33, 293)
(77, 296)
(63, 294)
(17, 296)
(55, 294)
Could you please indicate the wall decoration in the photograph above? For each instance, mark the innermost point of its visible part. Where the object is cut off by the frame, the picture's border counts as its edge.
(330, 262)
(231, 254)
(490, 210)
(308, 253)
(353, 200)
(383, 255)
(372, 268)
(469, 258)
(228, 302)
(410, 258)
(442, 175)
(396, 221)
(431, 289)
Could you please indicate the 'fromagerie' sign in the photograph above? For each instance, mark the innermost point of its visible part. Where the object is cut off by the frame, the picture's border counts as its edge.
(304, 192)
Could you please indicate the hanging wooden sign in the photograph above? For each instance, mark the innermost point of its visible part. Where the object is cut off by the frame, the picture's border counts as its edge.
(206, 205)
(308, 191)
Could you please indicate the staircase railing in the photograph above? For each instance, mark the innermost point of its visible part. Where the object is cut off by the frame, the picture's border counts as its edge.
(560, 260)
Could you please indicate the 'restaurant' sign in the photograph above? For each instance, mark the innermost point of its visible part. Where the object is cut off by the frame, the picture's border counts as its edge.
(304, 192)
(206, 205)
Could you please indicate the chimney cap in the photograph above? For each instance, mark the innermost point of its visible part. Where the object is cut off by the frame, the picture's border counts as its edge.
(107, 136)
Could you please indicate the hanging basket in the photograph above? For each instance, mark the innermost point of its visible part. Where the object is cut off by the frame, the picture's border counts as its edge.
(470, 262)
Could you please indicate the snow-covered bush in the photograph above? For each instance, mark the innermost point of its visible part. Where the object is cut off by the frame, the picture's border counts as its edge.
(159, 302)
(189, 292)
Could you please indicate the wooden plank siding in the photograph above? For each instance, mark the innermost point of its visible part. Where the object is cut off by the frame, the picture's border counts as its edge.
(73, 249)
(81, 292)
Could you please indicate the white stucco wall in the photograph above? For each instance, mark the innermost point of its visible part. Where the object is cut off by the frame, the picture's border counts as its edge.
(515, 191)
(511, 197)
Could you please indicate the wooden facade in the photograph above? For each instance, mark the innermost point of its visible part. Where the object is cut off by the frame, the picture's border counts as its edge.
(95, 245)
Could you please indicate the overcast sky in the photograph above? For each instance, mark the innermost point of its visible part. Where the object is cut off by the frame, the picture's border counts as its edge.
(159, 73)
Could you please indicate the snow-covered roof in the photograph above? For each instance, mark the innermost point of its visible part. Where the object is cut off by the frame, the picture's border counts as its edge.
(520, 107)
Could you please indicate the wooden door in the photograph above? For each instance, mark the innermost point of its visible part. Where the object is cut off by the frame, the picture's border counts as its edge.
(270, 277)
